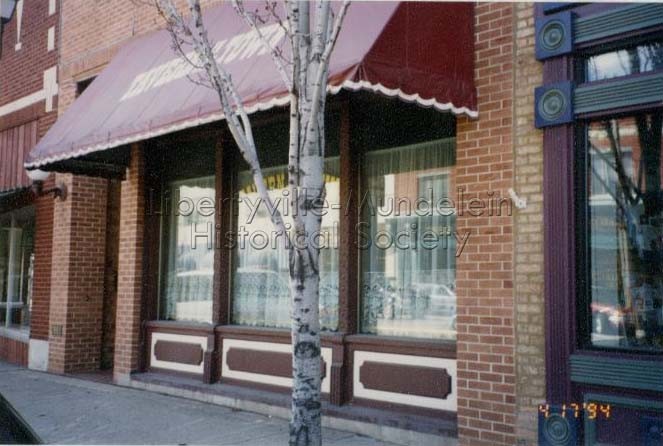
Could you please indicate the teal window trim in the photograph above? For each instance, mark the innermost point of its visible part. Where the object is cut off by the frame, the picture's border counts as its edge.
(618, 93)
(617, 371)
(617, 21)
(624, 402)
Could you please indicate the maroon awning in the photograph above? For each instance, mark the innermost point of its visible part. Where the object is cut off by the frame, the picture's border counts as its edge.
(418, 52)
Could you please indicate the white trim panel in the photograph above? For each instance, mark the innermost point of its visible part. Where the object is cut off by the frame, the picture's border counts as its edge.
(38, 355)
(47, 93)
(50, 39)
(171, 337)
(226, 372)
(359, 391)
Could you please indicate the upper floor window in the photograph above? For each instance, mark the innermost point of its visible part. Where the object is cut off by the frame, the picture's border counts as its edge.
(81, 86)
(637, 59)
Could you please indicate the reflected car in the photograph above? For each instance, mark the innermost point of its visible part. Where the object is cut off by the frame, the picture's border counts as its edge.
(440, 300)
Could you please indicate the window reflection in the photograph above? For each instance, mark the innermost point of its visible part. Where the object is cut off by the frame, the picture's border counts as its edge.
(625, 242)
(16, 267)
(640, 59)
(408, 289)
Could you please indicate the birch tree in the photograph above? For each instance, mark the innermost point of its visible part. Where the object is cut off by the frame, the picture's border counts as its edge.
(312, 29)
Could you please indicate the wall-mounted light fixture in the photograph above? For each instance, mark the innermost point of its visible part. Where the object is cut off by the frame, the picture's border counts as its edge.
(38, 177)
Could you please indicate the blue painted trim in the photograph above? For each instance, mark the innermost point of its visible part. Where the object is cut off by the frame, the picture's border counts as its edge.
(561, 112)
(553, 7)
(554, 35)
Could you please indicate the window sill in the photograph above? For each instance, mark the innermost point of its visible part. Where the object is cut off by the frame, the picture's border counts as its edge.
(17, 334)
(424, 347)
(180, 327)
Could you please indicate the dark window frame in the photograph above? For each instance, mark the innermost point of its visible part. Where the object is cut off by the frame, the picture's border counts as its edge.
(562, 250)
(583, 318)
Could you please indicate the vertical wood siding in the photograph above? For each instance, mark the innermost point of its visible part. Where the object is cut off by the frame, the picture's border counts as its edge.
(15, 144)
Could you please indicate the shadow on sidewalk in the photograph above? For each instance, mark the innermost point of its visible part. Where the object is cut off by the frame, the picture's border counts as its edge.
(13, 428)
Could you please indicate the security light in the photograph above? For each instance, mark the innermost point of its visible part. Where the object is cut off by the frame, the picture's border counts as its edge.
(38, 177)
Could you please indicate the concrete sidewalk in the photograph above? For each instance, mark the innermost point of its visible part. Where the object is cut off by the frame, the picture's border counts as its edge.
(65, 410)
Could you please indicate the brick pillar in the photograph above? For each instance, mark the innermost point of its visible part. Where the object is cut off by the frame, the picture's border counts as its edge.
(485, 346)
(528, 263)
(41, 282)
(77, 275)
(130, 270)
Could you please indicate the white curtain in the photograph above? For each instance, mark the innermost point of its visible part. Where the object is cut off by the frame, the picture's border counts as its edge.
(189, 264)
(261, 295)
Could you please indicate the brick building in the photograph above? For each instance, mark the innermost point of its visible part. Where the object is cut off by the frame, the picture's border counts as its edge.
(28, 107)
(419, 345)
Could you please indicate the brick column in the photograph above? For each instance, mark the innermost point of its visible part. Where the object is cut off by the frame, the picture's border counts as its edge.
(77, 274)
(130, 270)
(41, 282)
(485, 346)
(528, 262)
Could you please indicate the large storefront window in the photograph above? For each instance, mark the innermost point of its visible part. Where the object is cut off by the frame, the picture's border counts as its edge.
(188, 270)
(16, 267)
(261, 294)
(624, 232)
(407, 242)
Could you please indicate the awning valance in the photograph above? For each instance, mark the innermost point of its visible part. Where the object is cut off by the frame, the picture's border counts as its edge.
(418, 52)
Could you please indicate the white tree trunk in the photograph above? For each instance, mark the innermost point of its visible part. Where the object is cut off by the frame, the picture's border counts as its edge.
(312, 44)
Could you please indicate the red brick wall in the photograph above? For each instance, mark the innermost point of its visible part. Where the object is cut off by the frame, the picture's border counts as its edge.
(21, 74)
(130, 271)
(79, 232)
(41, 283)
(485, 349)
(22, 71)
(13, 351)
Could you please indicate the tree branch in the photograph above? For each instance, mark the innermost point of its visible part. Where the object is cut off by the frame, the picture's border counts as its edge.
(236, 117)
(276, 56)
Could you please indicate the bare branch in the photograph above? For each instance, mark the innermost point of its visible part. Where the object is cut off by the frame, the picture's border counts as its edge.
(273, 52)
(236, 117)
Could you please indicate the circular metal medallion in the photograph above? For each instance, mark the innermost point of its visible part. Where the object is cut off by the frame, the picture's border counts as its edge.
(557, 430)
(552, 105)
(553, 35)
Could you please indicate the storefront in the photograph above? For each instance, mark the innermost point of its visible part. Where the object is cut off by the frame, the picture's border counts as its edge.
(203, 284)
(601, 110)
(17, 230)
(29, 33)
